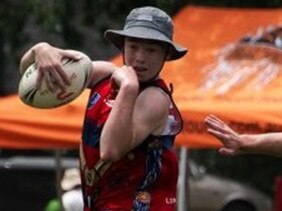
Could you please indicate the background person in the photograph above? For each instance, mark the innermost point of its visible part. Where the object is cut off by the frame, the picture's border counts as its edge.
(72, 194)
(235, 143)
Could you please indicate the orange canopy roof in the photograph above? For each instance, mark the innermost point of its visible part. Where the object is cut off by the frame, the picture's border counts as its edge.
(238, 81)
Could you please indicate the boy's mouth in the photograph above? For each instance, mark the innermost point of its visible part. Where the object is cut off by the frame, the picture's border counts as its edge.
(140, 69)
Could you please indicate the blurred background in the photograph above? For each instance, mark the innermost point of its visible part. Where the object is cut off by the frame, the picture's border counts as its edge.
(80, 25)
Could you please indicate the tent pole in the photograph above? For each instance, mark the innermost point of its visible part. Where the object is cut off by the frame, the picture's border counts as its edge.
(182, 195)
(58, 167)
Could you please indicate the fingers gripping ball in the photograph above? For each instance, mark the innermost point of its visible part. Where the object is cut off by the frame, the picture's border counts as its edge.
(79, 73)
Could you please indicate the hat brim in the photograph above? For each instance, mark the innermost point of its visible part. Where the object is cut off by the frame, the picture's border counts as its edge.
(116, 37)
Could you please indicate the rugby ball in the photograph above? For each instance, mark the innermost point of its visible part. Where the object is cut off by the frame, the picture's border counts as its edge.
(79, 73)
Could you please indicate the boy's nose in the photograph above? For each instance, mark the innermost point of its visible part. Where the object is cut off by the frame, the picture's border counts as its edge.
(140, 56)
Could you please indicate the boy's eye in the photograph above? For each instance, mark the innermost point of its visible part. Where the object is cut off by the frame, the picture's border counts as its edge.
(133, 46)
(151, 49)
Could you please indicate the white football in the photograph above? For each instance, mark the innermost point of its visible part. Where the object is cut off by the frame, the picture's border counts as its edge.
(79, 73)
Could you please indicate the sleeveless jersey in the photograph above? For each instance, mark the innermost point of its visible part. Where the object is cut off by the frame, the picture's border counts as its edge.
(144, 179)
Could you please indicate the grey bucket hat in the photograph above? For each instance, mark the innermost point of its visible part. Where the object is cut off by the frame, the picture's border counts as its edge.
(147, 23)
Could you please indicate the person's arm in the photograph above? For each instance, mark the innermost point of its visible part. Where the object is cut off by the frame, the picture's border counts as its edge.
(235, 143)
(100, 70)
(268, 143)
(133, 117)
(48, 60)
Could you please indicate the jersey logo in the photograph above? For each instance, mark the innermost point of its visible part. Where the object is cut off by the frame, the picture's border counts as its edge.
(94, 99)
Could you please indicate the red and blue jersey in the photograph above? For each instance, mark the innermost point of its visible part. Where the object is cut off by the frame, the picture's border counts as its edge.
(144, 179)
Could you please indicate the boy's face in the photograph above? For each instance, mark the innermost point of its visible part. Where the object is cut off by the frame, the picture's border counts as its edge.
(145, 56)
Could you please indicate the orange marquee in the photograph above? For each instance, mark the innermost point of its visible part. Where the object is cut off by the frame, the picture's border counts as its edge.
(233, 70)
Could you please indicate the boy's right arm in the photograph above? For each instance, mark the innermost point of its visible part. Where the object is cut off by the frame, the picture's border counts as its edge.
(48, 62)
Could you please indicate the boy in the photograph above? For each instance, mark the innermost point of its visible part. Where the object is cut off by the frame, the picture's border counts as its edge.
(126, 156)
